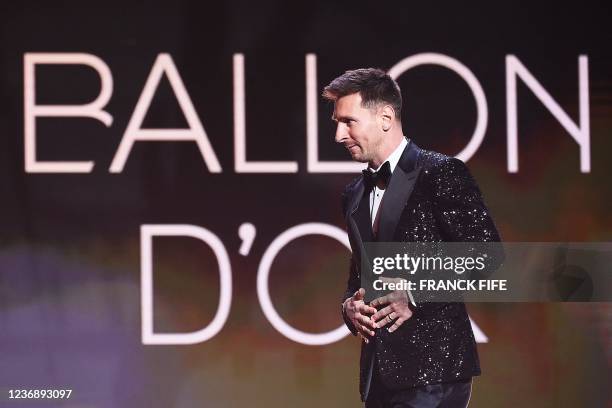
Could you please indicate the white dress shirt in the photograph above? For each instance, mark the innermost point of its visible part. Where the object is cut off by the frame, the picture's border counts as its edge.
(377, 194)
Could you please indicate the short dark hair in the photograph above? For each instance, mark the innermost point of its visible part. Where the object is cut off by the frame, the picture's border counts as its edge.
(374, 85)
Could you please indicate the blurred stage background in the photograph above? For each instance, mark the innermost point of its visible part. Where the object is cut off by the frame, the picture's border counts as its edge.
(70, 311)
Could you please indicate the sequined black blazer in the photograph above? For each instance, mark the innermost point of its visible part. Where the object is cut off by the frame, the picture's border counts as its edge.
(430, 198)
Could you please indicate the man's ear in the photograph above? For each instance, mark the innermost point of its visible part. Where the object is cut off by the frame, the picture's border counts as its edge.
(387, 116)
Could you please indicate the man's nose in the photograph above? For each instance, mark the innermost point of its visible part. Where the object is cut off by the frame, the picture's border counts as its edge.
(341, 134)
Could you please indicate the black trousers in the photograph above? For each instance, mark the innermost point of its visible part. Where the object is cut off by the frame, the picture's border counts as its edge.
(445, 395)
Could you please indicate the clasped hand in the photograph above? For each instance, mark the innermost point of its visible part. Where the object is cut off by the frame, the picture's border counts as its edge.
(366, 318)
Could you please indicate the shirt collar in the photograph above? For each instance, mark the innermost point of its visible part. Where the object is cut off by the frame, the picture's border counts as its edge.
(394, 157)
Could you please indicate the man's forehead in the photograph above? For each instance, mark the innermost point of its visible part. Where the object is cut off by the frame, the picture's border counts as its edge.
(347, 103)
(349, 100)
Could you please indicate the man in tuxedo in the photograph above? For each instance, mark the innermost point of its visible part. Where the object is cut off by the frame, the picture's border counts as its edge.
(419, 354)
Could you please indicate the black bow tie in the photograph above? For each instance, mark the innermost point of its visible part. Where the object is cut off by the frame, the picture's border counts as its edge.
(382, 176)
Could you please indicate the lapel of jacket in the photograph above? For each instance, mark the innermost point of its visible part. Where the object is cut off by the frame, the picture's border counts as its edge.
(398, 192)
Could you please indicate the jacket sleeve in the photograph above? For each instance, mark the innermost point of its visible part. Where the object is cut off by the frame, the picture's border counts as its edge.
(353, 282)
(461, 212)
(462, 216)
(352, 287)
(459, 206)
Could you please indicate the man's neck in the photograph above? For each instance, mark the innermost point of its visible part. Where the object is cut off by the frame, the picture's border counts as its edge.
(386, 150)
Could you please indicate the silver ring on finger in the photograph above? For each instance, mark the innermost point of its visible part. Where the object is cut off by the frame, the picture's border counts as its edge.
(389, 319)
(391, 316)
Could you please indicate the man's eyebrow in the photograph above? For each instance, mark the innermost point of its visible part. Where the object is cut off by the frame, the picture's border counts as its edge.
(342, 118)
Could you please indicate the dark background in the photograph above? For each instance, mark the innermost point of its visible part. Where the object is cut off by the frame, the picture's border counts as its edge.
(70, 256)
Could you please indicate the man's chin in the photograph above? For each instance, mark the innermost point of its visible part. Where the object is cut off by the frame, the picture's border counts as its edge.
(358, 158)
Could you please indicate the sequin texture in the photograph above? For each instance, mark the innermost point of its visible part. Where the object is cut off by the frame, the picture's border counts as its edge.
(436, 345)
